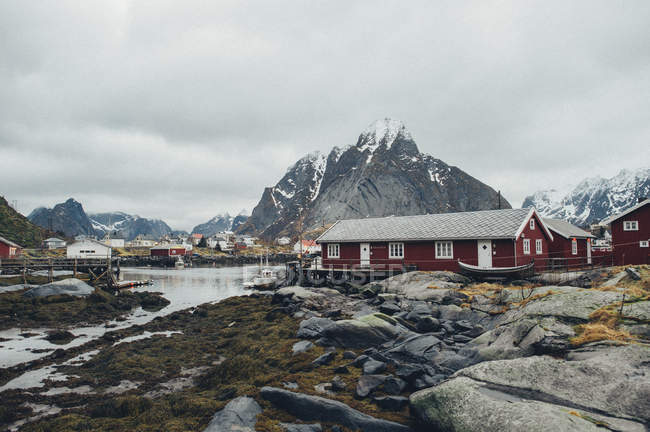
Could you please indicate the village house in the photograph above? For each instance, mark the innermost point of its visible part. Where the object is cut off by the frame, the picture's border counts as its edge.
(141, 241)
(308, 247)
(53, 243)
(196, 239)
(88, 249)
(571, 246)
(113, 242)
(9, 249)
(490, 238)
(631, 234)
(283, 241)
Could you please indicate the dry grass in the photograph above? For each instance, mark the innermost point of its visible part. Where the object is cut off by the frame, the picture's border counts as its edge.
(534, 297)
(603, 325)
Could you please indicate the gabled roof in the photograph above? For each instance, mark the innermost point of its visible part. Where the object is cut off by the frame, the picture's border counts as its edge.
(53, 239)
(611, 219)
(566, 229)
(486, 224)
(9, 242)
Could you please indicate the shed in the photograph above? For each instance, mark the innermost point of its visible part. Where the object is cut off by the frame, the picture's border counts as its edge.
(9, 249)
(88, 249)
(53, 243)
(631, 234)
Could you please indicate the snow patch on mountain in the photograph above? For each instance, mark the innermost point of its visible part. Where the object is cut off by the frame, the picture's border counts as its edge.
(594, 198)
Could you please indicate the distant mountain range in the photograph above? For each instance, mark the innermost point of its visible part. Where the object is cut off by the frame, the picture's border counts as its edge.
(71, 219)
(18, 229)
(594, 198)
(221, 222)
(383, 174)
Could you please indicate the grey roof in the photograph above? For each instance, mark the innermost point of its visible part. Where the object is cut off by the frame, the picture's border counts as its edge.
(566, 229)
(53, 239)
(9, 242)
(487, 224)
(611, 219)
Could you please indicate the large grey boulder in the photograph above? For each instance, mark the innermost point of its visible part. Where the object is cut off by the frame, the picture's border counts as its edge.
(72, 286)
(297, 293)
(313, 327)
(316, 408)
(239, 415)
(506, 342)
(363, 332)
(436, 287)
(419, 348)
(466, 405)
(610, 379)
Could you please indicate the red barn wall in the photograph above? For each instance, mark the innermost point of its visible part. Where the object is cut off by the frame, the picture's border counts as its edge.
(4, 251)
(533, 235)
(625, 244)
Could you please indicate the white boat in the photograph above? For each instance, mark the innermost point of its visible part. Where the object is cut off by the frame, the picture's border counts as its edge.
(267, 279)
(179, 264)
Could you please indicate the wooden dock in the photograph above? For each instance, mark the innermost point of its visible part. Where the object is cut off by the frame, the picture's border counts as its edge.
(98, 269)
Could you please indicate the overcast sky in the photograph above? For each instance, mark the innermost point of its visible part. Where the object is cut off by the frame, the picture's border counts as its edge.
(181, 110)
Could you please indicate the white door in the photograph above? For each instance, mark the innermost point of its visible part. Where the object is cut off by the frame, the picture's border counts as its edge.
(365, 254)
(484, 253)
(588, 251)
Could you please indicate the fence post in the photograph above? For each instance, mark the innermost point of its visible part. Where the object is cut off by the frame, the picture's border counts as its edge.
(50, 271)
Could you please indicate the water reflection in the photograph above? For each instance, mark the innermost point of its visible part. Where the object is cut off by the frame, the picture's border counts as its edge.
(183, 288)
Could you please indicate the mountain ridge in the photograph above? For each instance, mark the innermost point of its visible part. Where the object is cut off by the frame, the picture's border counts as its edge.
(594, 198)
(383, 174)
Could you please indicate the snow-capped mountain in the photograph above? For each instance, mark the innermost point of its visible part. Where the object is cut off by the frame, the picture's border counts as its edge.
(221, 222)
(383, 174)
(126, 226)
(593, 199)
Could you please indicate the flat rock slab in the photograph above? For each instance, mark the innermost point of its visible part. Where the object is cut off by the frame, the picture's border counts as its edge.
(465, 405)
(316, 408)
(73, 287)
(607, 379)
(297, 427)
(239, 415)
(418, 285)
(297, 293)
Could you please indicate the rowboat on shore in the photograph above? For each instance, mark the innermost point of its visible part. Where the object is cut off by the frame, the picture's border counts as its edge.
(506, 272)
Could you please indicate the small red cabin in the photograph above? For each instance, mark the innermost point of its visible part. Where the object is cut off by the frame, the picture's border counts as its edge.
(631, 234)
(489, 238)
(167, 251)
(9, 249)
(571, 246)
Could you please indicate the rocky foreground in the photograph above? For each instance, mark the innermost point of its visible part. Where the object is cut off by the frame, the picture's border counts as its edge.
(419, 351)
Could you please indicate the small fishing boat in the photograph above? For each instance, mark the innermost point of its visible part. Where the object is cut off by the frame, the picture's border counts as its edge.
(507, 272)
(179, 264)
(266, 279)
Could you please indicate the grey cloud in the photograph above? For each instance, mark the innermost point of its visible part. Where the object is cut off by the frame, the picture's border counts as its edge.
(112, 101)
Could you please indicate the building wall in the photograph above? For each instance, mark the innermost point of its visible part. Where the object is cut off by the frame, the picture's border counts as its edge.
(625, 244)
(167, 252)
(533, 235)
(7, 251)
(81, 250)
(560, 252)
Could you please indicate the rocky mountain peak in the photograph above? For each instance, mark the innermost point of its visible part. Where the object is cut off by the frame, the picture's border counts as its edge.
(383, 174)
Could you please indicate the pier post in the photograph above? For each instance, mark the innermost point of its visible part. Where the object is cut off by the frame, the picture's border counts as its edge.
(74, 268)
(24, 271)
(50, 272)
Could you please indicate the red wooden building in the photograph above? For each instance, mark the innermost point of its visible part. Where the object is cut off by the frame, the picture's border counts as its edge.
(631, 234)
(571, 246)
(490, 238)
(9, 249)
(167, 251)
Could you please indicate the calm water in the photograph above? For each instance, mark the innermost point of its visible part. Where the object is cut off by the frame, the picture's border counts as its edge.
(183, 288)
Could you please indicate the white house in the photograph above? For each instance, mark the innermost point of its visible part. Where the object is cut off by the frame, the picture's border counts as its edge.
(88, 249)
(283, 241)
(53, 243)
(113, 242)
(308, 247)
(141, 241)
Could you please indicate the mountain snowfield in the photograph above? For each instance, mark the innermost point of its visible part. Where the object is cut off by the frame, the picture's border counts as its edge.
(127, 226)
(593, 199)
(383, 174)
(221, 222)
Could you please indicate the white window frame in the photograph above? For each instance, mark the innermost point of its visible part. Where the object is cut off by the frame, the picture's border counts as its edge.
(395, 250)
(526, 246)
(644, 243)
(333, 247)
(531, 224)
(538, 247)
(574, 247)
(630, 225)
(446, 251)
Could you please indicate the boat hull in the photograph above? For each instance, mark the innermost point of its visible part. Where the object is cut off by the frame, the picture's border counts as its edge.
(522, 271)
